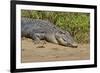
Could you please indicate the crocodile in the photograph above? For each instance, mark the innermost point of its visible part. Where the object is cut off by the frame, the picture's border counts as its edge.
(38, 29)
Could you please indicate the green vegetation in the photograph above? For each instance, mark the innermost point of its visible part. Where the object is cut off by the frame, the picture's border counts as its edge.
(78, 24)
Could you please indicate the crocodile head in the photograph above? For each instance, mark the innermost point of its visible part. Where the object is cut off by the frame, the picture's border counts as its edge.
(68, 39)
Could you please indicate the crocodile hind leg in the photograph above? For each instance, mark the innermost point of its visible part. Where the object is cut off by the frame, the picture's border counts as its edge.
(35, 39)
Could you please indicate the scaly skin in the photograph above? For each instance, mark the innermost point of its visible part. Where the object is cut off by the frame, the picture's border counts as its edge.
(37, 29)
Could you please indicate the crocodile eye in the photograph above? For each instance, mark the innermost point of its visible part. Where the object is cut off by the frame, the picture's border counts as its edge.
(61, 32)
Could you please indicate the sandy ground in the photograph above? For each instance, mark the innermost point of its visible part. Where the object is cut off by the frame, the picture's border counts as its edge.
(44, 52)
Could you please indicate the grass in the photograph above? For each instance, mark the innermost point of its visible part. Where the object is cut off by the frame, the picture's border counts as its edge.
(77, 24)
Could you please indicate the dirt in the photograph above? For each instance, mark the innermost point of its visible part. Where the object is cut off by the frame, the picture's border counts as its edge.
(44, 51)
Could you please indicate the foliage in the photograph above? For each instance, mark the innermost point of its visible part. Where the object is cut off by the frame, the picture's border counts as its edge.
(78, 24)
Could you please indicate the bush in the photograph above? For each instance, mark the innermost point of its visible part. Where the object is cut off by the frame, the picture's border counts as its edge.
(76, 23)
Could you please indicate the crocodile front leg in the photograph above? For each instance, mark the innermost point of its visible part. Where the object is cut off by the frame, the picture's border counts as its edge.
(51, 38)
